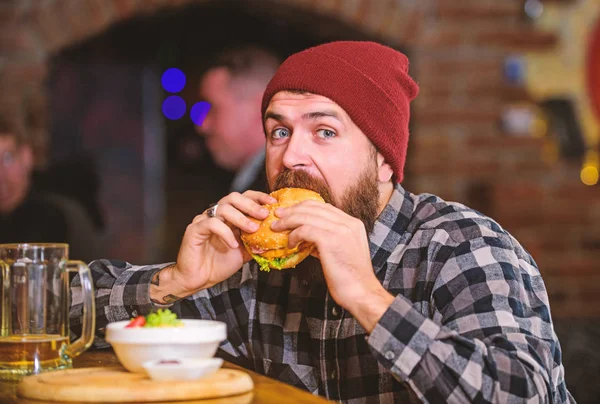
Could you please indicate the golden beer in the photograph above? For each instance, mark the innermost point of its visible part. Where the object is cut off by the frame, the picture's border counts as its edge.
(33, 353)
(34, 309)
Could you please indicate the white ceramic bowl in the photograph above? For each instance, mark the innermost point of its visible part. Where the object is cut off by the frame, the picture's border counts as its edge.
(185, 369)
(197, 339)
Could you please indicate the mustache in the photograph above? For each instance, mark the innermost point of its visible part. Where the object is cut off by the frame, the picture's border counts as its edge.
(301, 179)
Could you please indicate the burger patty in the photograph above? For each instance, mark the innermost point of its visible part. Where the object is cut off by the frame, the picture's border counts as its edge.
(276, 253)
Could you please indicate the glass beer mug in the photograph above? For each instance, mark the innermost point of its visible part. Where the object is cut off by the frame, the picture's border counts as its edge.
(34, 319)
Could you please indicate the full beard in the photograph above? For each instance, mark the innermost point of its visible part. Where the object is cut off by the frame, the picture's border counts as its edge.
(360, 201)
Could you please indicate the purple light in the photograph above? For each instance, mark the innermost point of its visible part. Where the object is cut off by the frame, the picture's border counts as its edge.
(199, 111)
(173, 80)
(173, 107)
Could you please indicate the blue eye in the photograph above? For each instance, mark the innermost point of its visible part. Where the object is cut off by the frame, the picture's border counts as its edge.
(7, 159)
(280, 133)
(326, 133)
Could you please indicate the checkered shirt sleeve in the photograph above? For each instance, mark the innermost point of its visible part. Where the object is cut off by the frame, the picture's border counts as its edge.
(487, 344)
(488, 337)
(121, 291)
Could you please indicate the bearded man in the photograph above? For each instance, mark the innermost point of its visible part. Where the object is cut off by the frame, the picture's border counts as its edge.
(408, 297)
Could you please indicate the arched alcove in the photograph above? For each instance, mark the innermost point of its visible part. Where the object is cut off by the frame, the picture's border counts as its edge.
(104, 97)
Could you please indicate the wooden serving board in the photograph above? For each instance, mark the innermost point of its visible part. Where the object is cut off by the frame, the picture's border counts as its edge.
(115, 384)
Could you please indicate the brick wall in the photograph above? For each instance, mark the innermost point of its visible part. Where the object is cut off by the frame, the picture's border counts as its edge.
(462, 154)
(458, 150)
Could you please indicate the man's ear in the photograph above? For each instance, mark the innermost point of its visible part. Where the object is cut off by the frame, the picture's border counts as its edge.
(26, 156)
(256, 101)
(384, 170)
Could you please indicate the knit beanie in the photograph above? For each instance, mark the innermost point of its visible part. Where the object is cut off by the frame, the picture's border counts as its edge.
(368, 80)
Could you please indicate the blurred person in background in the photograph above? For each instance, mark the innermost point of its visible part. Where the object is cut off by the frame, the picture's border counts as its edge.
(233, 131)
(76, 178)
(29, 215)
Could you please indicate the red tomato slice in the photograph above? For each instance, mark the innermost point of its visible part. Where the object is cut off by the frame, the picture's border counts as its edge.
(139, 321)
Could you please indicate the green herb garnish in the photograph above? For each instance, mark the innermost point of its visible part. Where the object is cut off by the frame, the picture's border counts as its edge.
(162, 318)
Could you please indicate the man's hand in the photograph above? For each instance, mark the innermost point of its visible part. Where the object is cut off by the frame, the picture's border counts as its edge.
(211, 250)
(342, 246)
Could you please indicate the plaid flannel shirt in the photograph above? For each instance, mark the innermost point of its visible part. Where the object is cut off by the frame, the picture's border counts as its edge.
(470, 321)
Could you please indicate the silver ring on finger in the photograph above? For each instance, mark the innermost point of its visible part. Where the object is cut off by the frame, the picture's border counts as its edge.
(212, 210)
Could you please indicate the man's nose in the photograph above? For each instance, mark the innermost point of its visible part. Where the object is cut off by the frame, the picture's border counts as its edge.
(297, 152)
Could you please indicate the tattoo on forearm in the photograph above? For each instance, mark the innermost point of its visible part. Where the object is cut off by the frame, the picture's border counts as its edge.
(168, 299)
(155, 279)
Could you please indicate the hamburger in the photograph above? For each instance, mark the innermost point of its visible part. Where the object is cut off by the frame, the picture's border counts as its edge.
(269, 248)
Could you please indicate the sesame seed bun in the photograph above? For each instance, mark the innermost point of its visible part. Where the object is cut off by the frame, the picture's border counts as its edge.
(269, 248)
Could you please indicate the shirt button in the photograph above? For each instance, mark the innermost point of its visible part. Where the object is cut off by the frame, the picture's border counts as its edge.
(389, 355)
(335, 311)
(333, 375)
(134, 313)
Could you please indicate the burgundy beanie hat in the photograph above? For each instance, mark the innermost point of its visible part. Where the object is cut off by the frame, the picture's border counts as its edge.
(368, 80)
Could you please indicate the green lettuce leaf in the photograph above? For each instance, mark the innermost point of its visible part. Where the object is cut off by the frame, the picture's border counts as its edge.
(278, 262)
(275, 262)
(162, 318)
(263, 262)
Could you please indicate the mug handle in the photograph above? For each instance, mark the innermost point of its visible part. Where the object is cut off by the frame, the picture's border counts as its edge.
(89, 309)
(5, 306)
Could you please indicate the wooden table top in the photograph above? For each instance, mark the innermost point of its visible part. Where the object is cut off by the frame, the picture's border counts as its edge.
(266, 390)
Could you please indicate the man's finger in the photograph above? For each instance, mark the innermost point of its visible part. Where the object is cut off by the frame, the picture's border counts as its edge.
(245, 205)
(260, 197)
(307, 234)
(214, 226)
(296, 216)
(236, 218)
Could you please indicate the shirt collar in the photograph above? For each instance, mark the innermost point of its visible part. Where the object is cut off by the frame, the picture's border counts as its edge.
(249, 172)
(390, 226)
